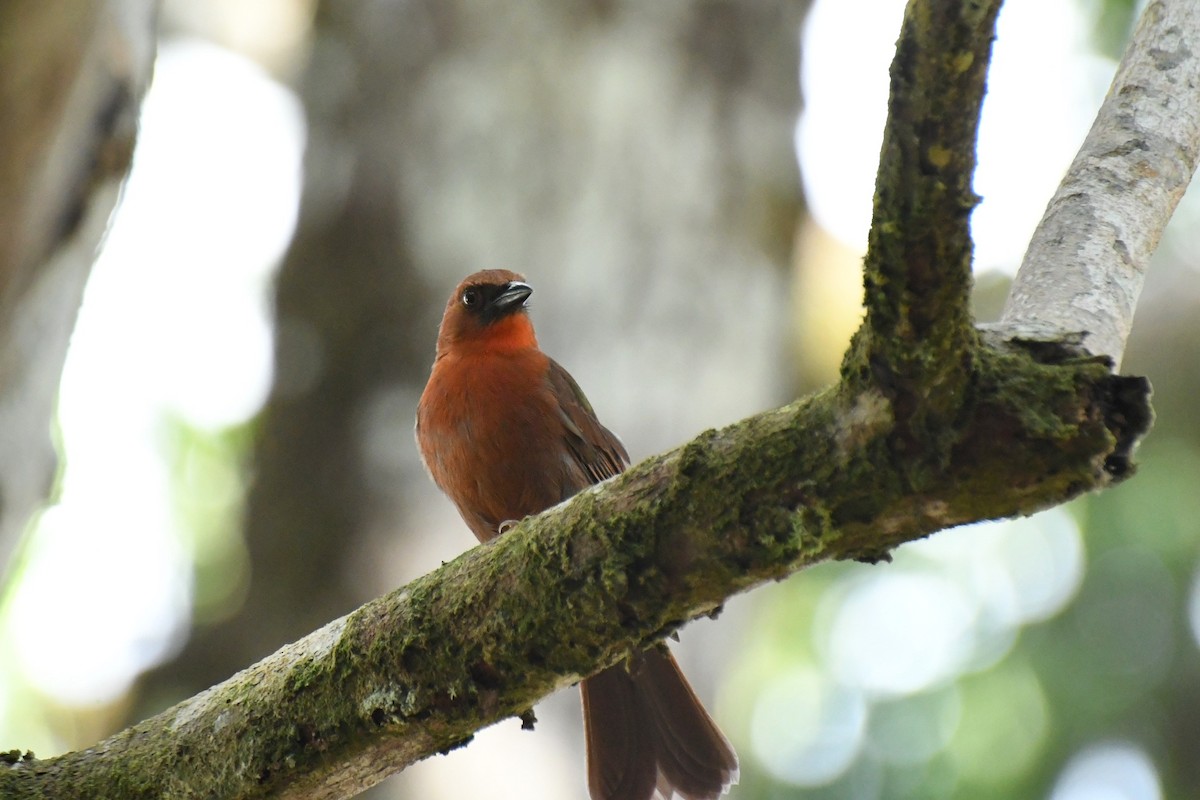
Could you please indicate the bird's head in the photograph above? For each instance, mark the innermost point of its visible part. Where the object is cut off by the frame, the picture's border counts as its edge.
(487, 310)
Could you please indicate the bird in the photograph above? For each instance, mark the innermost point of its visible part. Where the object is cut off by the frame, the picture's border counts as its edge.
(505, 432)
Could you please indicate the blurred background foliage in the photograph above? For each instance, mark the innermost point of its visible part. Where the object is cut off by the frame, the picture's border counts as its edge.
(687, 185)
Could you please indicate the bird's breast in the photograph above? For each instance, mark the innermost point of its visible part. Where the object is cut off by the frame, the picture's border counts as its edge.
(490, 435)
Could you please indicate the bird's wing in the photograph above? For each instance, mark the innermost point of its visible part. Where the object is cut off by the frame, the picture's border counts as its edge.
(596, 449)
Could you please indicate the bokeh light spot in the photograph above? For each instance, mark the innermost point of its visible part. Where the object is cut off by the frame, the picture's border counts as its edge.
(1020, 570)
(1010, 698)
(898, 632)
(1194, 606)
(911, 730)
(805, 729)
(1041, 69)
(1109, 771)
(81, 628)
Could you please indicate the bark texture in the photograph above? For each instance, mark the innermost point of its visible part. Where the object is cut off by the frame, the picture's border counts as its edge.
(619, 567)
(1086, 264)
(932, 425)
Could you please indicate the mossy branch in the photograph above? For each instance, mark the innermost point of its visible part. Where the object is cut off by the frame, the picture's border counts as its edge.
(618, 567)
(932, 426)
(918, 332)
(917, 341)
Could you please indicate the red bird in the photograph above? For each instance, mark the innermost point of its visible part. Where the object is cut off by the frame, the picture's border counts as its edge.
(506, 432)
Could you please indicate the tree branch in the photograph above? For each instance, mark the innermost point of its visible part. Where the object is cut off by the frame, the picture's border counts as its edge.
(1087, 260)
(918, 338)
(618, 567)
(931, 427)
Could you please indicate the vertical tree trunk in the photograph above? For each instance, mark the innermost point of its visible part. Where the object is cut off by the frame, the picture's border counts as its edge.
(72, 77)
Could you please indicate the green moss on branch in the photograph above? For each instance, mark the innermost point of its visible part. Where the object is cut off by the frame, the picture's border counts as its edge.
(917, 339)
(619, 567)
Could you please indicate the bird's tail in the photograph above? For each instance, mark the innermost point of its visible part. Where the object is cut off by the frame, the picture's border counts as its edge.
(646, 729)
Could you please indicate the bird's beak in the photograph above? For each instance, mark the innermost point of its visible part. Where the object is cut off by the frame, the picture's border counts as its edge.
(514, 295)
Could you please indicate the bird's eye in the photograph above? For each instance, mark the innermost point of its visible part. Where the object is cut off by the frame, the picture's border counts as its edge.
(470, 298)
